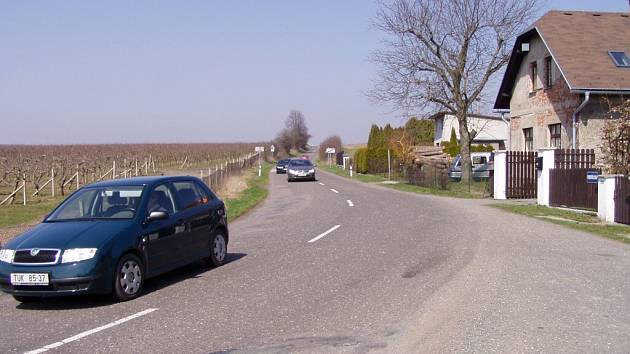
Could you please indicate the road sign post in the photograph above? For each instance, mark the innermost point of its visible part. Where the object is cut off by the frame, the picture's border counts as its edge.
(259, 149)
(330, 151)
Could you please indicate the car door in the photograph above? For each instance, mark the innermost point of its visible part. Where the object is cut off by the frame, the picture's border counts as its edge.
(162, 236)
(196, 215)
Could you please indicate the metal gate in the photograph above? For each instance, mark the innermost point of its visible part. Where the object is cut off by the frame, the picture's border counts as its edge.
(521, 179)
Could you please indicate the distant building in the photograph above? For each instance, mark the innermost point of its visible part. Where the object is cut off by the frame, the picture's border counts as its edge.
(558, 76)
(489, 130)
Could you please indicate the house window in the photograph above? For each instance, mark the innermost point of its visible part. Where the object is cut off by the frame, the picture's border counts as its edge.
(620, 59)
(548, 72)
(528, 134)
(555, 135)
(534, 75)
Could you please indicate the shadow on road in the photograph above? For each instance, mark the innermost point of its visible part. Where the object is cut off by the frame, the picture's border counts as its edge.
(193, 270)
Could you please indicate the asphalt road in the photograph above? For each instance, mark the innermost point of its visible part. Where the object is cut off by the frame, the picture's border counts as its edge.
(385, 272)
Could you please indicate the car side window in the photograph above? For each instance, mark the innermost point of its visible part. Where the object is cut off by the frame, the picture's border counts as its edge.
(189, 194)
(161, 199)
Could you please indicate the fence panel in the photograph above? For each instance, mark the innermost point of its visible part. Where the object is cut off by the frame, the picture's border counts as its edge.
(622, 200)
(521, 175)
(569, 188)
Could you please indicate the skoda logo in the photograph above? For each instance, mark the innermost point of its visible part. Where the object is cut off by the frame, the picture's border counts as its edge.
(34, 252)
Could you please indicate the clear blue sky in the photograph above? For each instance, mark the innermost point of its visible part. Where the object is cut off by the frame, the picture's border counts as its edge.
(190, 71)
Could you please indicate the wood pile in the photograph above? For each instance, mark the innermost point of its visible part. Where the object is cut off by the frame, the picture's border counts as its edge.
(430, 167)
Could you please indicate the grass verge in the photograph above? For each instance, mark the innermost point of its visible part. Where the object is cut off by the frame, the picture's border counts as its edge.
(17, 214)
(578, 221)
(256, 191)
(455, 189)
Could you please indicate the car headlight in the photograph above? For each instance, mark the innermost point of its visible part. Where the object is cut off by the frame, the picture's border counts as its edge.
(312, 170)
(6, 255)
(77, 254)
(293, 171)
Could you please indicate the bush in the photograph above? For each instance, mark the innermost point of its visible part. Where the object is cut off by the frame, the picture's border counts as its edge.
(360, 160)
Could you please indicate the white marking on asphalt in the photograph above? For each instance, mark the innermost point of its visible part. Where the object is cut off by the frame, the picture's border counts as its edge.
(350, 203)
(325, 233)
(334, 190)
(321, 184)
(90, 332)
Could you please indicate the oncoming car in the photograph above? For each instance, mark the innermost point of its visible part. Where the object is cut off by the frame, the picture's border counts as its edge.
(109, 237)
(281, 166)
(300, 169)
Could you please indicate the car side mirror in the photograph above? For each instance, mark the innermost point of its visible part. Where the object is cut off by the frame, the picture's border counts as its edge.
(157, 215)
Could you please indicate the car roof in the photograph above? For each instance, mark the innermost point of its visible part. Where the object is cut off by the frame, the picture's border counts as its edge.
(140, 181)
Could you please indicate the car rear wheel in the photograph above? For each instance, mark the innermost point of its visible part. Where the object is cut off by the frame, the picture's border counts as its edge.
(129, 278)
(218, 249)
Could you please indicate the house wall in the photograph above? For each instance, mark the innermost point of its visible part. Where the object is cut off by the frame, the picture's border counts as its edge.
(544, 106)
(490, 131)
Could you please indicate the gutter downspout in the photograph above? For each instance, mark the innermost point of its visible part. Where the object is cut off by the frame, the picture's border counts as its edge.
(587, 97)
(509, 126)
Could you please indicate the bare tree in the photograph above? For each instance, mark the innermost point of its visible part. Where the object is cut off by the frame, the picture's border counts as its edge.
(441, 53)
(295, 133)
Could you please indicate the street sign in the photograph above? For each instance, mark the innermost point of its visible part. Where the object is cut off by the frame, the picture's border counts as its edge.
(591, 176)
(259, 149)
(330, 150)
(273, 148)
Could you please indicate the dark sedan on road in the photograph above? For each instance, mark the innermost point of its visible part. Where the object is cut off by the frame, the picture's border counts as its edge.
(300, 169)
(109, 237)
(281, 166)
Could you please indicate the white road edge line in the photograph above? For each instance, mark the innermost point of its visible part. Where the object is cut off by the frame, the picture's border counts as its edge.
(325, 233)
(350, 203)
(334, 190)
(90, 332)
(321, 184)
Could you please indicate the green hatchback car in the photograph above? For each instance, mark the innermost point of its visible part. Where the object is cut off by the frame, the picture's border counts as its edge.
(111, 236)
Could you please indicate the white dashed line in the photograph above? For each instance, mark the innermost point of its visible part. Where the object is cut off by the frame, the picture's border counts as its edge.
(325, 233)
(321, 184)
(334, 190)
(90, 332)
(350, 203)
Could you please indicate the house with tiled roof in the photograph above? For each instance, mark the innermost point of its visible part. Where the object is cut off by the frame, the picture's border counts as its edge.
(560, 73)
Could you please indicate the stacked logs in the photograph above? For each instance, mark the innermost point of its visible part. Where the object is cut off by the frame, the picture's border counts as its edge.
(429, 168)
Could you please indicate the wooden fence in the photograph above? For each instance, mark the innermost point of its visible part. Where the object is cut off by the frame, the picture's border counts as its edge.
(521, 175)
(622, 200)
(568, 186)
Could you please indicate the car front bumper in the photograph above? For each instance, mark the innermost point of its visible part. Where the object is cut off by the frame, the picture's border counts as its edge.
(85, 277)
(308, 176)
(280, 170)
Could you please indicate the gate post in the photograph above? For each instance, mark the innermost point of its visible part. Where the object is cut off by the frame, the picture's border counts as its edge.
(606, 197)
(548, 156)
(500, 174)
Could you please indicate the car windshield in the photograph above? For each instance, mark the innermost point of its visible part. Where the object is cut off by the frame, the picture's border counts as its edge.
(300, 163)
(99, 203)
(283, 162)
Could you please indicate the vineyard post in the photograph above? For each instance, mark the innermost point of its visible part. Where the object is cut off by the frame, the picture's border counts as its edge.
(52, 176)
(114, 169)
(24, 191)
(136, 167)
(201, 175)
(125, 167)
(77, 177)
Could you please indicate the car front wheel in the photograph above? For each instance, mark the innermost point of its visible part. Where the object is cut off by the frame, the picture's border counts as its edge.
(218, 249)
(129, 279)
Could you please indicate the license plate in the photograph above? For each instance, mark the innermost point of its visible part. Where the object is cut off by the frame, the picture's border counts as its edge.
(301, 173)
(29, 279)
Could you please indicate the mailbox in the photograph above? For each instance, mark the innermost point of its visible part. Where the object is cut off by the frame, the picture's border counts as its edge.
(539, 163)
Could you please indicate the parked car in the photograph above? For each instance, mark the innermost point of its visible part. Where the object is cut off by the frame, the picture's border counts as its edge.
(281, 166)
(111, 236)
(300, 169)
(480, 166)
